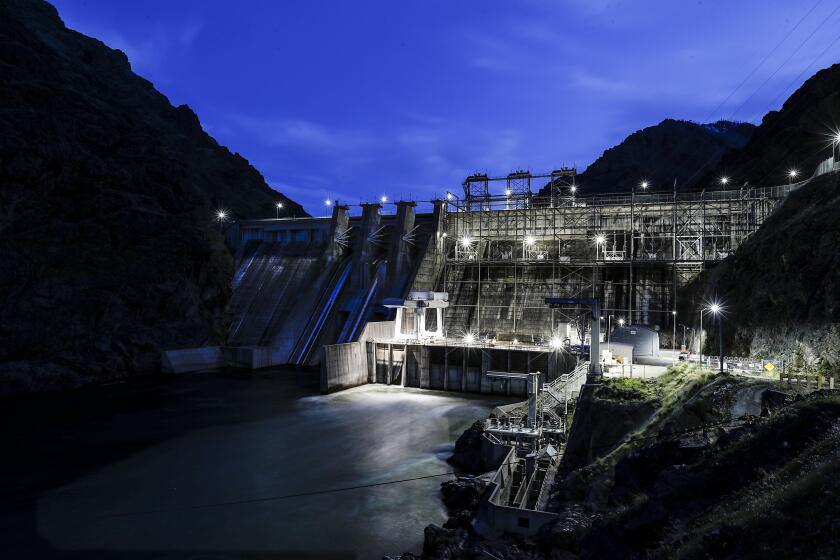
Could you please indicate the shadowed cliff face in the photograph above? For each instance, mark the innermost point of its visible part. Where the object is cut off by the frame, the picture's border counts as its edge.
(780, 287)
(108, 247)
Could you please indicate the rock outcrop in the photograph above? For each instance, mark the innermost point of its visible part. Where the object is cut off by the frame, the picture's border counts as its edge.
(108, 245)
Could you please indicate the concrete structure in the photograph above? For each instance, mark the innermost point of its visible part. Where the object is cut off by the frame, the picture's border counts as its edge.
(418, 303)
(643, 340)
(498, 251)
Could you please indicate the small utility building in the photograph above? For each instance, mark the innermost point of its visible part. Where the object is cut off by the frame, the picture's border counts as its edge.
(643, 339)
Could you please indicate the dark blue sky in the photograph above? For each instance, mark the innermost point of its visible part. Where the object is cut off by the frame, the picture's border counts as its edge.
(353, 100)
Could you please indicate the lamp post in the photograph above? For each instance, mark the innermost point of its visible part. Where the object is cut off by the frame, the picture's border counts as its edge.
(792, 175)
(674, 337)
(835, 142)
(599, 240)
(717, 311)
(701, 338)
(644, 186)
(279, 207)
(221, 217)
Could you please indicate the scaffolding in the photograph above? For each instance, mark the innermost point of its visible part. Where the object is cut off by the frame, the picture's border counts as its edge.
(506, 252)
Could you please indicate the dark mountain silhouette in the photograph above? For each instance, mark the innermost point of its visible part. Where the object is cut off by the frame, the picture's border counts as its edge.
(672, 149)
(107, 194)
(798, 136)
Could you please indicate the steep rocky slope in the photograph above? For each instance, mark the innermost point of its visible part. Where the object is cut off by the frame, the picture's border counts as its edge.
(694, 475)
(672, 149)
(107, 242)
(780, 288)
(798, 136)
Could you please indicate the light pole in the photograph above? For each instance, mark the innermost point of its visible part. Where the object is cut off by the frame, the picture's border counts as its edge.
(717, 311)
(221, 217)
(701, 338)
(674, 337)
(644, 186)
(835, 142)
(279, 207)
(599, 240)
(792, 175)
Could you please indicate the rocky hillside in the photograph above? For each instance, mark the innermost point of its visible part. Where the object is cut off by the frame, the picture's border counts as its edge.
(780, 287)
(798, 136)
(691, 465)
(658, 154)
(107, 238)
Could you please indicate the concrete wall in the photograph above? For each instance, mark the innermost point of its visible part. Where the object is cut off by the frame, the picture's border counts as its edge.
(192, 359)
(493, 518)
(377, 330)
(343, 366)
(449, 368)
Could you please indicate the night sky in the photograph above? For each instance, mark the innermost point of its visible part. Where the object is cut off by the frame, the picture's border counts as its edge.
(355, 100)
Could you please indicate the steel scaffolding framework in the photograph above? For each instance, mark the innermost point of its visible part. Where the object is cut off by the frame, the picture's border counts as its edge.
(505, 252)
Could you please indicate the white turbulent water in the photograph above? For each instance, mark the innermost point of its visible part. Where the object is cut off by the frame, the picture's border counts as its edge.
(365, 435)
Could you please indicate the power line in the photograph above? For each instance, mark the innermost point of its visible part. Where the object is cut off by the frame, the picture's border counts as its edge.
(788, 59)
(772, 51)
(763, 60)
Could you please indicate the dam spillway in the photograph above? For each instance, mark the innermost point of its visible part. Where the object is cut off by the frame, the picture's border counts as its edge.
(305, 284)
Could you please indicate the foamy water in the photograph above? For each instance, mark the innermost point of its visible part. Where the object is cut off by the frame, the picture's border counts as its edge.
(145, 503)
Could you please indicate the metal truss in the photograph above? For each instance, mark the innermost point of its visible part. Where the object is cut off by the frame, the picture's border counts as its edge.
(505, 251)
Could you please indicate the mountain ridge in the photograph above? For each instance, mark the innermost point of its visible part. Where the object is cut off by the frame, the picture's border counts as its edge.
(659, 154)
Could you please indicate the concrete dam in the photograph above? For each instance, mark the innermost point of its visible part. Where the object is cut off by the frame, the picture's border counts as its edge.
(316, 291)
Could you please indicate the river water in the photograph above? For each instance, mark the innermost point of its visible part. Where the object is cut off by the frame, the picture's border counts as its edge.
(226, 465)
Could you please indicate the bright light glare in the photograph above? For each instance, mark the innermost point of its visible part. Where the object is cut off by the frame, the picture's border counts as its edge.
(449, 196)
(530, 240)
(221, 214)
(556, 343)
(507, 192)
(837, 138)
(516, 341)
(384, 199)
(724, 180)
(674, 313)
(573, 188)
(621, 322)
(328, 202)
(466, 242)
(644, 184)
(599, 239)
(469, 339)
(715, 308)
(443, 234)
(279, 205)
(793, 172)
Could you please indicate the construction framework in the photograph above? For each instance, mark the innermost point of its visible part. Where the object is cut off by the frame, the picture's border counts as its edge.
(506, 249)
